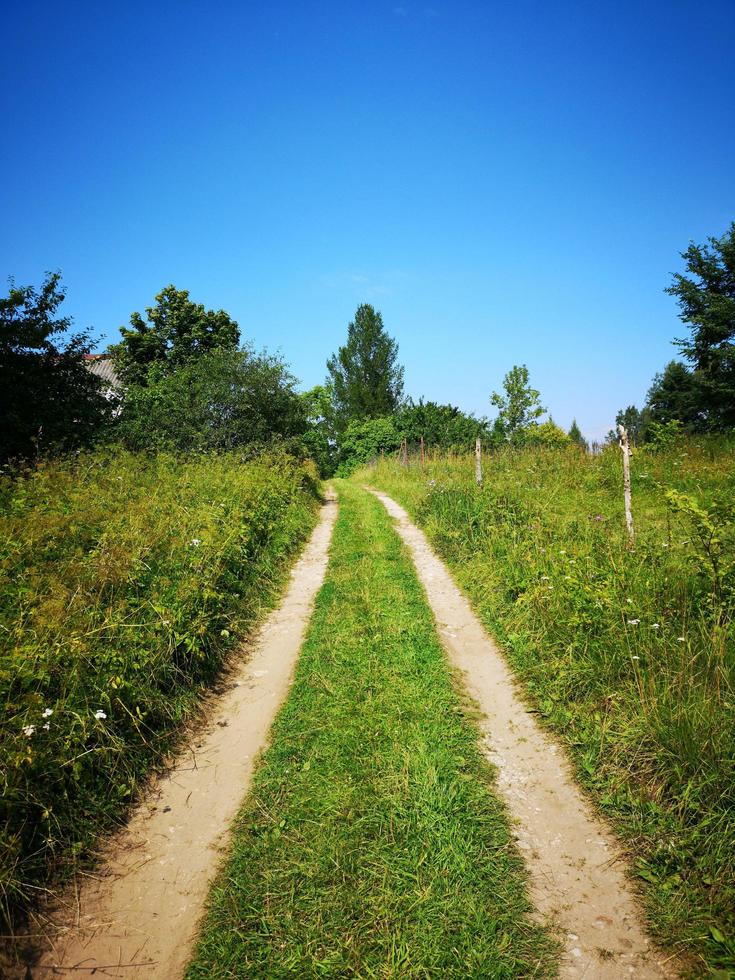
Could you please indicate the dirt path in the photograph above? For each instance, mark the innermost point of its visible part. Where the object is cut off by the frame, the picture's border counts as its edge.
(138, 919)
(575, 864)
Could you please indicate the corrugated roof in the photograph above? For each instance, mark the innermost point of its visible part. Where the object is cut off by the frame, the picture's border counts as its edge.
(103, 366)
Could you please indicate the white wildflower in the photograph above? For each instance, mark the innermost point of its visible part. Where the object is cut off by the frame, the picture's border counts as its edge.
(633, 622)
(681, 639)
(46, 726)
(47, 712)
(29, 730)
(195, 542)
(635, 658)
(100, 715)
(544, 578)
(656, 626)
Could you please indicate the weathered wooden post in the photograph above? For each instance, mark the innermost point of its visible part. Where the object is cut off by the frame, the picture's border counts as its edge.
(422, 452)
(478, 460)
(404, 452)
(625, 447)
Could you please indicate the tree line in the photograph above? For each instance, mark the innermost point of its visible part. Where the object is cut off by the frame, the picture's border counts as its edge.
(184, 380)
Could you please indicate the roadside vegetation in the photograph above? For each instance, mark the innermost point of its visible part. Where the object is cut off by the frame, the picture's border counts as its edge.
(125, 580)
(372, 843)
(627, 653)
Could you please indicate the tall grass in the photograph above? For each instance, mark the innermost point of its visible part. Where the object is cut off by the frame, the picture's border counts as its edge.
(628, 653)
(124, 581)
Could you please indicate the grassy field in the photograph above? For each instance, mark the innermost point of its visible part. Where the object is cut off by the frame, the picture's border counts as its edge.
(628, 654)
(372, 844)
(124, 581)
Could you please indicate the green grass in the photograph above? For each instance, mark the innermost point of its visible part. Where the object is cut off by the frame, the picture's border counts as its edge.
(124, 582)
(372, 844)
(628, 654)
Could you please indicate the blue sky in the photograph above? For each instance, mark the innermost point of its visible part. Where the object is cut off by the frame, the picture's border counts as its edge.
(507, 182)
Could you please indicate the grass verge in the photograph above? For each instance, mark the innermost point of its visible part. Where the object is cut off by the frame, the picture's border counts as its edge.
(124, 582)
(628, 654)
(372, 844)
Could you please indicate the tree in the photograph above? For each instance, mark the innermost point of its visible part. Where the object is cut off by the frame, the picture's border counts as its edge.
(636, 422)
(364, 440)
(675, 395)
(48, 398)
(575, 434)
(319, 438)
(519, 408)
(706, 299)
(546, 433)
(222, 400)
(174, 332)
(366, 380)
(442, 426)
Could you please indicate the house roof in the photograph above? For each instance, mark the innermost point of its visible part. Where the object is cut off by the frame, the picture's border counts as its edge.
(103, 366)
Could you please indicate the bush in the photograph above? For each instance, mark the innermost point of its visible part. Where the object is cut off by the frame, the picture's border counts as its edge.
(125, 580)
(364, 441)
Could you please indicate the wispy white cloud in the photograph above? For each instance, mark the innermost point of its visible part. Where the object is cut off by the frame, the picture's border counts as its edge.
(365, 286)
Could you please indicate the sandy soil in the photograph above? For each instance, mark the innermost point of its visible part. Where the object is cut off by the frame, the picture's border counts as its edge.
(577, 870)
(139, 917)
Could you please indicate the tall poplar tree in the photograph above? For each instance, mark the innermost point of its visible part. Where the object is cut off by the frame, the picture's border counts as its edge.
(366, 379)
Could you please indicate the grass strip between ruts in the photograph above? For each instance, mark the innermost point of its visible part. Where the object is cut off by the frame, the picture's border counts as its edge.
(372, 843)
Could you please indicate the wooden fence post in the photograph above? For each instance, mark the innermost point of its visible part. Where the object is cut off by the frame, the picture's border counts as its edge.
(422, 452)
(478, 460)
(625, 447)
(404, 452)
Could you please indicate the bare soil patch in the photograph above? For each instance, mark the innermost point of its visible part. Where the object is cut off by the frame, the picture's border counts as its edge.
(578, 879)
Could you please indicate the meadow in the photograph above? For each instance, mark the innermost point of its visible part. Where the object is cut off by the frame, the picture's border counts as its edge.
(626, 652)
(126, 580)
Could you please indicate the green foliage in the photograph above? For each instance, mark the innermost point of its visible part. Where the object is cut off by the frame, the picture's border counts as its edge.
(49, 401)
(366, 380)
(706, 298)
(575, 434)
(174, 332)
(319, 439)
(628, 654)
(675, 395)
(519, 408)
(364, 441)
(372, 844)
(221, 400)
(441, 426)
(542, 434)
(124, 580)
(636, 423)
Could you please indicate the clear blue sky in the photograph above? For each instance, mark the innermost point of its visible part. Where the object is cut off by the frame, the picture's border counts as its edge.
(507, 182)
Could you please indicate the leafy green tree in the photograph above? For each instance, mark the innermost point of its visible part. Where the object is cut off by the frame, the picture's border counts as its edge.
(364, 440)
(706, 298)
(675, 395)
(366, 379)
(636, 422)
(575, 434)
(48, 398)
(546, 433)
(174, 332)
(319, 438)
(222, 400)
(442, 426)
(520, 406)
